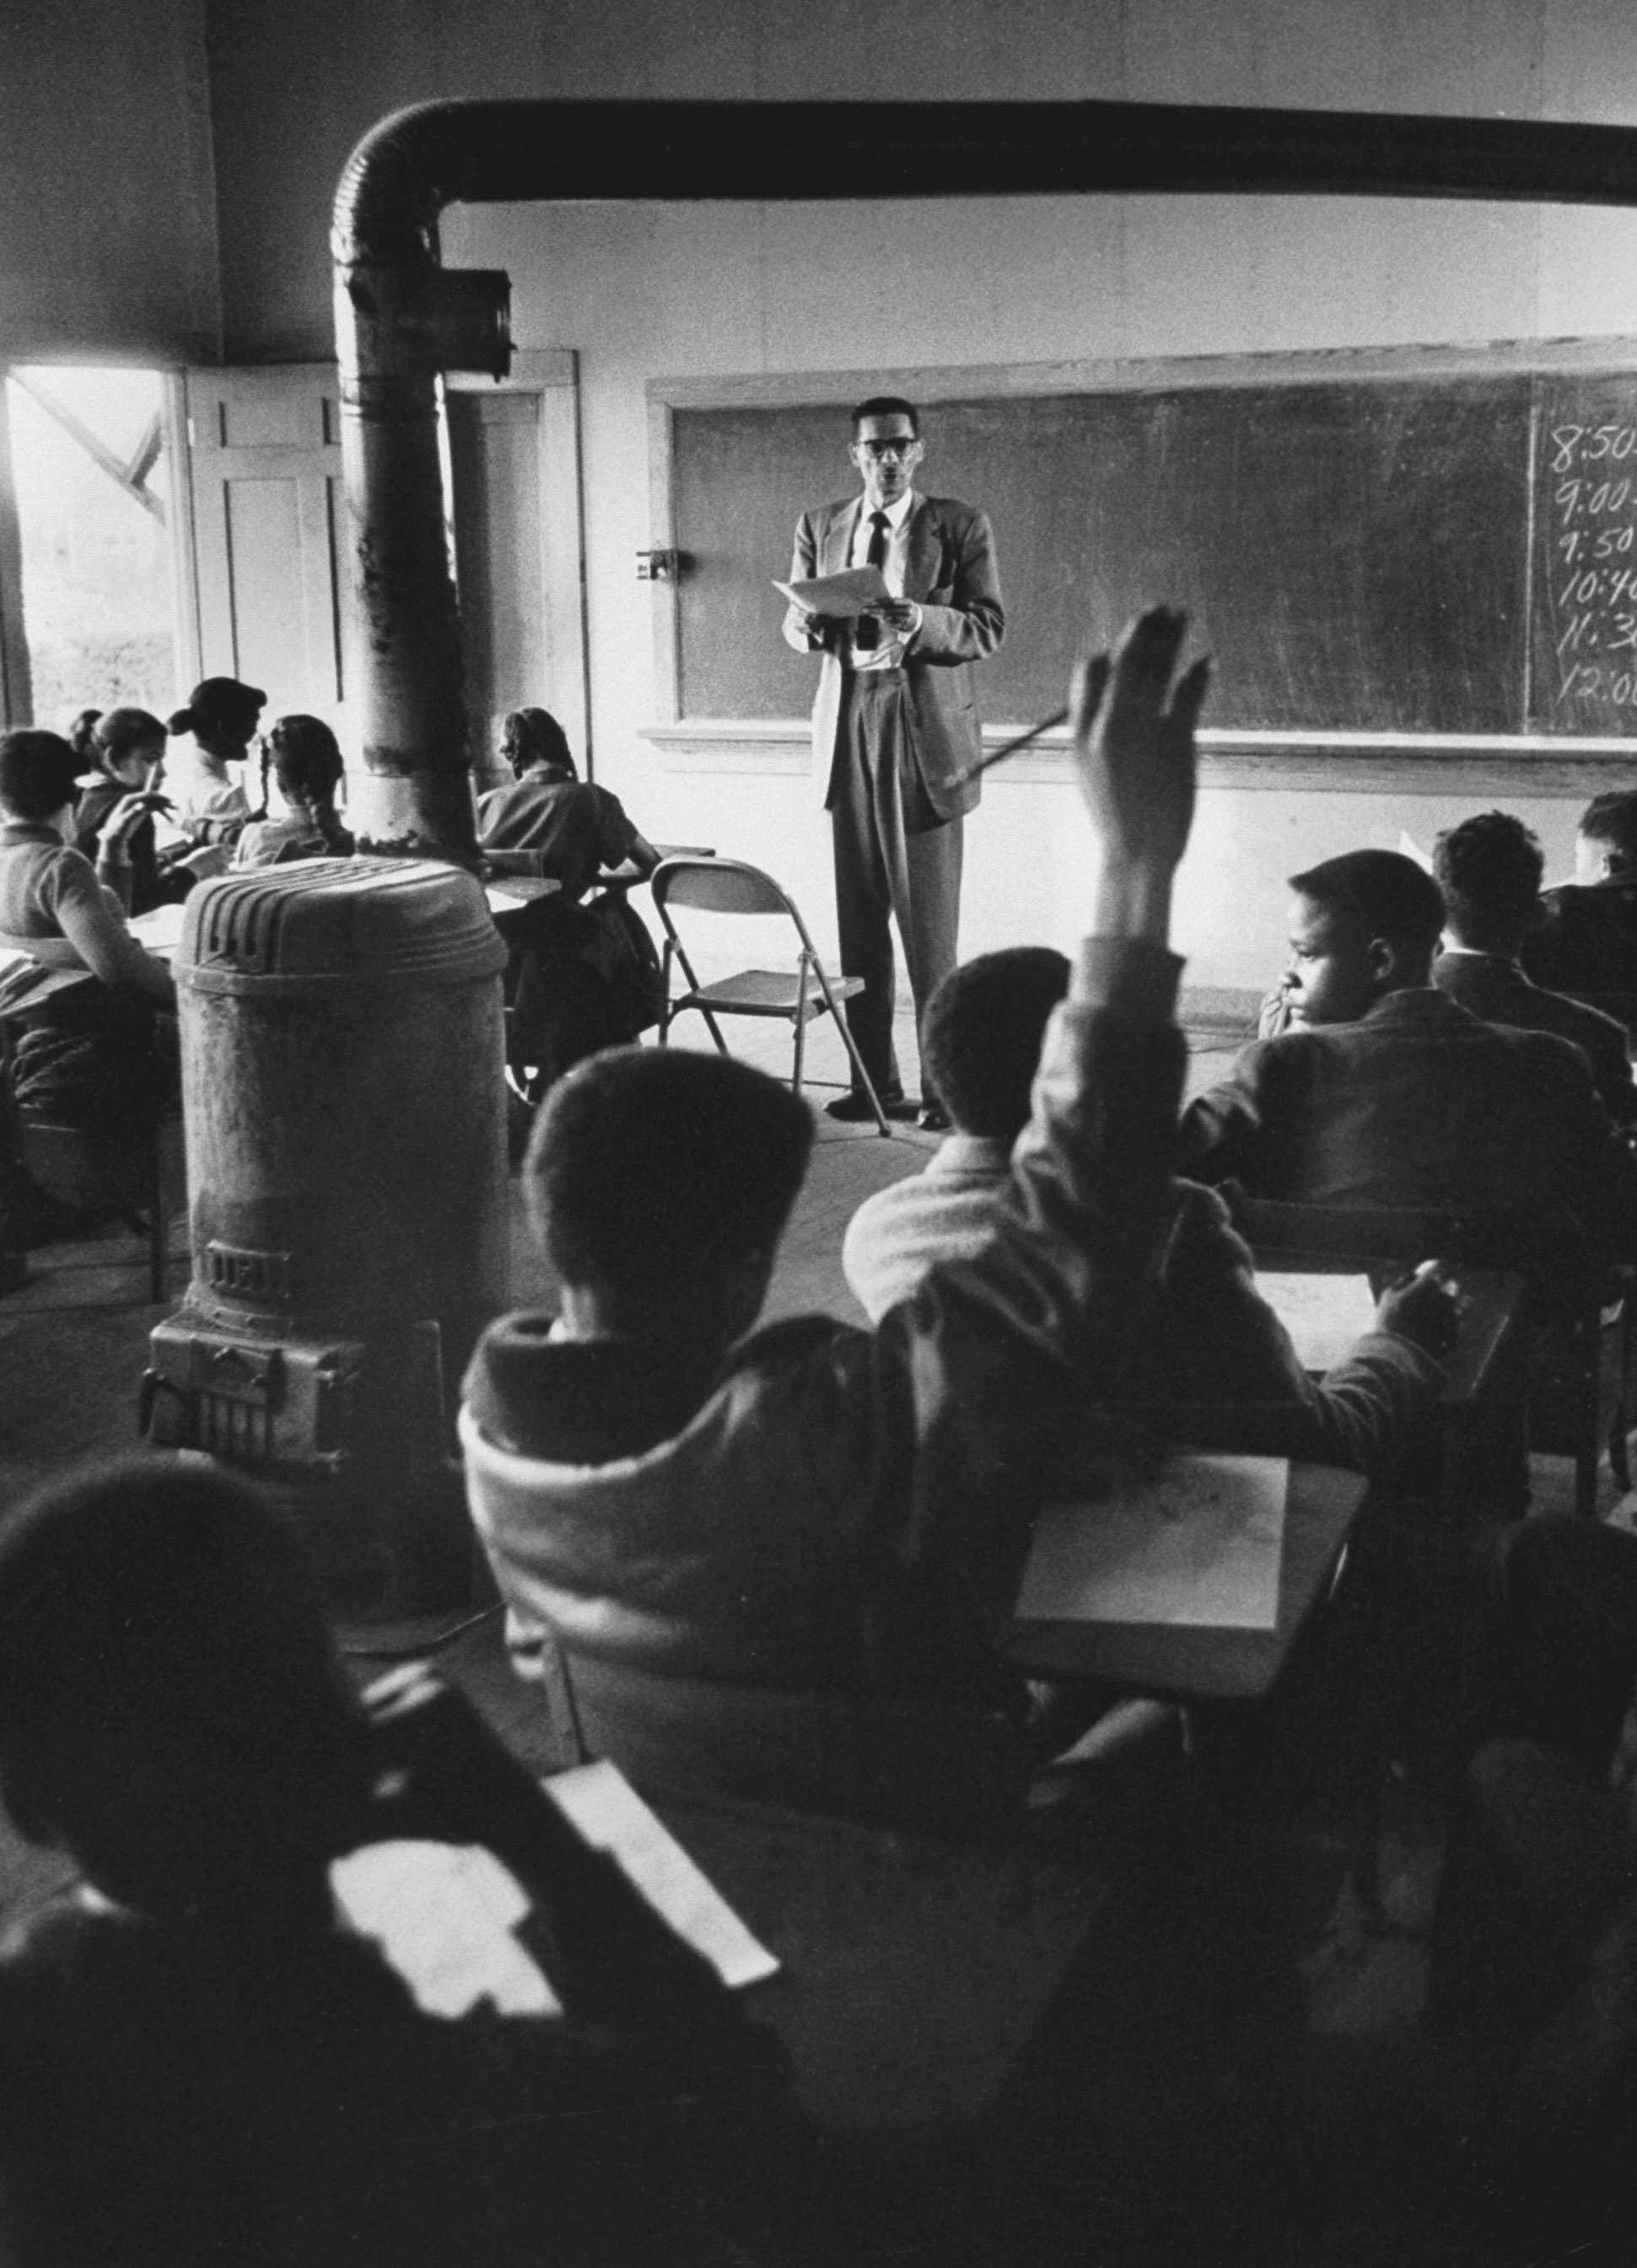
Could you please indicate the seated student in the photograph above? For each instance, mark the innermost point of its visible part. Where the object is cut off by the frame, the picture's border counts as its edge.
(1488, 869)
(549, 821)
(200, 2062)
(814, 1508)
(577, 972)
(221, 719)
(303, 757)
(1585, 942)
(1211, 1338)
(124, 751)
(1386, 1092)
(98, 1055)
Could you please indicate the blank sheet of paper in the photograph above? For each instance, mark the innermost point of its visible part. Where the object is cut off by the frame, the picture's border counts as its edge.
(1198, 1544)
(1325, 1314)
(607, 1810)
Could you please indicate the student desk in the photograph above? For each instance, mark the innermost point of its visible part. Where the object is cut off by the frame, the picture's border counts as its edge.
(1479, 1421)
(626, 875)
(985, 2041)
(160, 931)
(1201, 1661)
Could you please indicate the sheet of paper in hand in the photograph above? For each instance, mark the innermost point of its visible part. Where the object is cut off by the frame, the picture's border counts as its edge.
(856, 591)
(1197, 1543)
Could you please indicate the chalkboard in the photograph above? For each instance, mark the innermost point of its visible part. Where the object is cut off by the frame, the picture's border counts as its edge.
(1451, 555)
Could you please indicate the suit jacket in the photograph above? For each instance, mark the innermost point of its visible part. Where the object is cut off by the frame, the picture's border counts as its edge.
(1497, 990)
(950, 573)
(1587, 938)
(1419, 1104)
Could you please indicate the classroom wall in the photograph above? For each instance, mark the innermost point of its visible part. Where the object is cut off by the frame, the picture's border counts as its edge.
(645, 292)
(107, 225)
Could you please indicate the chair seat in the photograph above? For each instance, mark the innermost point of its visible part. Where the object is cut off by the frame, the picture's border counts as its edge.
(768, 992)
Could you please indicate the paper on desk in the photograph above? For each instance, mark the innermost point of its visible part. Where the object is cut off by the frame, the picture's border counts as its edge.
(856, 591)
(443, 1916)
(1198, 1544)
(161, 928)
(599, 1800)
(1325, 1314)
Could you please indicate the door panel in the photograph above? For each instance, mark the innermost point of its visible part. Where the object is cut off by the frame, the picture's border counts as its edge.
(265, 452)
(514, 463)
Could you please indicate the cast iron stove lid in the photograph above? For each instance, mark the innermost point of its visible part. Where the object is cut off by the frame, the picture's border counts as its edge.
(338, 921)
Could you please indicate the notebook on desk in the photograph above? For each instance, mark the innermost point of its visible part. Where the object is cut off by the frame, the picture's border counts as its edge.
(1197, 1543)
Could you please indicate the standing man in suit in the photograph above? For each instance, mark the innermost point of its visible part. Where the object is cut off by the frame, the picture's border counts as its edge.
(893, 726)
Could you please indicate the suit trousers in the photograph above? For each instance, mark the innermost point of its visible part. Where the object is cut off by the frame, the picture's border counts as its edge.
(895, 858)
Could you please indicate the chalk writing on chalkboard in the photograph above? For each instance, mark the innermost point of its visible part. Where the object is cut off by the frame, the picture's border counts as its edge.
(1590, 571)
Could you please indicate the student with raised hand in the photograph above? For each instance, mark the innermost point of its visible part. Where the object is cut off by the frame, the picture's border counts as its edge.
(304, 757)
(810, 1505)
(1209, 1336)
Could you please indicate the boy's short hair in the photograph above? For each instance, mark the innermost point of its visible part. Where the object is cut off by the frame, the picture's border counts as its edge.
(1489, 869)
(1389, 894)
(175, 1606)
(1612, 820)
(651, 1165)
(887, 405)
(39, 774)
(981, 1036)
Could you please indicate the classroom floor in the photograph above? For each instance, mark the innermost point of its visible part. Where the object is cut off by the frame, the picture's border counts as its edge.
(72, 1346)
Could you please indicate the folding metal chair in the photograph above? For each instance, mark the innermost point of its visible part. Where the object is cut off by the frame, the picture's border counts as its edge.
(727, 886)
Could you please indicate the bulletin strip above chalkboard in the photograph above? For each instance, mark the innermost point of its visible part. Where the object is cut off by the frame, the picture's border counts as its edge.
(1400, 553)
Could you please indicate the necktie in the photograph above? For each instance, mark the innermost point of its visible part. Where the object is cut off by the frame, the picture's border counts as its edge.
(867, 631)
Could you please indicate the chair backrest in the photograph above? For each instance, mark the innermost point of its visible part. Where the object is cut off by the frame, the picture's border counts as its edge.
(1493, 1236)
(941, 1767)
(718, 885)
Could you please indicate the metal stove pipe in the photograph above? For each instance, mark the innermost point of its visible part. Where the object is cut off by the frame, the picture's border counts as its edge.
(401, 318)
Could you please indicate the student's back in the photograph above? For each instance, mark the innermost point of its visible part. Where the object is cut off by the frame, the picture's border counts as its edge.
(1419, 1103)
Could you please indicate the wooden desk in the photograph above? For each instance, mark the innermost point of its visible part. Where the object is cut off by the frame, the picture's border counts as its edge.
(1480, 1419)
(512, 893)
(1200, 1661)
(160, 929)
(917, 1975)
(626, 876)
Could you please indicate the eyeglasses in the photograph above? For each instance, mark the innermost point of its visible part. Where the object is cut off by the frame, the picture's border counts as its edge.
(900, 446)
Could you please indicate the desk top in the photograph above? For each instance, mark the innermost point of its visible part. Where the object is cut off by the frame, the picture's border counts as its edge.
(917, 1976)
(1200, 1661)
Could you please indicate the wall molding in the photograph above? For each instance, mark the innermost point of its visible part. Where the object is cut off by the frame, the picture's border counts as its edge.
(1338, 763)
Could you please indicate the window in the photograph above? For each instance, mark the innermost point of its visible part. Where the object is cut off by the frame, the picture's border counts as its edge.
(95, 517)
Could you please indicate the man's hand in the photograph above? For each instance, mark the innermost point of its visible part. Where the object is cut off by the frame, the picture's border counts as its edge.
(1421, 1308)
(1133, 754)
(901, 616)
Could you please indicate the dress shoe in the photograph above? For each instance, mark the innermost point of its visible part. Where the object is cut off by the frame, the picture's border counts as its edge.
(934, 1119)
(854, 1109)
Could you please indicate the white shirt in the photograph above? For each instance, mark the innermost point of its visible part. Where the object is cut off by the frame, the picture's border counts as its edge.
(889, 654)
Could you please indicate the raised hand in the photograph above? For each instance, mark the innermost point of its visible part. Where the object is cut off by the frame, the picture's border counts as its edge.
(1134, 754)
